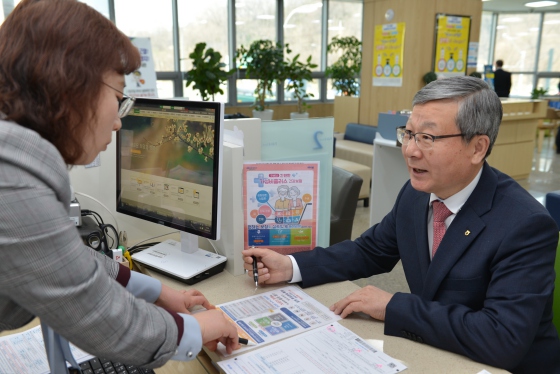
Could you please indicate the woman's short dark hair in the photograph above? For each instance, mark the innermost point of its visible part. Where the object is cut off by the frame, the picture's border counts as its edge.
(53, 56)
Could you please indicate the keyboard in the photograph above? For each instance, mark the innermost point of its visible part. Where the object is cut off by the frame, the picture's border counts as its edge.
(104, 366)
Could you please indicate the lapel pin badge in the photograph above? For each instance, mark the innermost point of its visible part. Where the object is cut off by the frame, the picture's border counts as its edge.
(467, 233)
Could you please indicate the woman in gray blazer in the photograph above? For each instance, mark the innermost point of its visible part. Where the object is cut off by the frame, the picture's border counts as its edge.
(61, 81)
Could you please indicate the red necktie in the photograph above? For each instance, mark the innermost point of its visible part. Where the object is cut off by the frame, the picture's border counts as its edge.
(440, 215)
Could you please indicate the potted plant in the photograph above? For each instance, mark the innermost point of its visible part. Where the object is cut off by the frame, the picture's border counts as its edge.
(537, 93)
(429, 77)
(264, 61)
(344, 73)
(207, 73)
(297, 74)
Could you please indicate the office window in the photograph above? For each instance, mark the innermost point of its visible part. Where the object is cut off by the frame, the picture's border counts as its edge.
(345, 19)
(311, 87)
(246, 91)
(254, 20)
(6, 7)
(516, 41)
(302, 29)
(152, 19)
(522, 85)
(165, 89)
(552, 85)
(203, 21)
(549, 58)
(483, 57)
(102, 6)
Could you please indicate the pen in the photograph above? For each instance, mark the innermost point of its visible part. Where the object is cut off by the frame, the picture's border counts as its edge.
(255, 271)
(245, 341)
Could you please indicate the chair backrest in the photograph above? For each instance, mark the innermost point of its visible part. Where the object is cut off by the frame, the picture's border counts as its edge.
(360, 133)
(345, 192)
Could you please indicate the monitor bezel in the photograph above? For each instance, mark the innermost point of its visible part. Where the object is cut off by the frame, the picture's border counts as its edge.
(217, 170)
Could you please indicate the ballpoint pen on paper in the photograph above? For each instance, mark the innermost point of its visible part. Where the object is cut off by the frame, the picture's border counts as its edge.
(245, 341)
(255, 271)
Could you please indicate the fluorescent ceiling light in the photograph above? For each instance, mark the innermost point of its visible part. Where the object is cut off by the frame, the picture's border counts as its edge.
(265, 16)
(541, 4)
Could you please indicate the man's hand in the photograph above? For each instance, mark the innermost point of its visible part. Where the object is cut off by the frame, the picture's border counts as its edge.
(370, 300)
(273, 267)
(181, 301)
(216, 328)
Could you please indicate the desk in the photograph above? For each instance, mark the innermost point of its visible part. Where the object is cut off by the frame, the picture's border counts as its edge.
(419, 358)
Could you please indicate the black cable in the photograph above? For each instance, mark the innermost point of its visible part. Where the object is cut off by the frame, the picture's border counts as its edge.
(141, 247)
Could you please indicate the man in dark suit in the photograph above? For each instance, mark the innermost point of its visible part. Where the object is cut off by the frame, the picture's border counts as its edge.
(477, 250)
(502, 80)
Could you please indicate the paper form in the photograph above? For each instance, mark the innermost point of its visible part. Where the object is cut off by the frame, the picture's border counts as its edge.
(275, 315)
(329, 349)
(24, 353)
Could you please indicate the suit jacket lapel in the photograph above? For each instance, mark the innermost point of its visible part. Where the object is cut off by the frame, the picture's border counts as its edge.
(421, 233)
(464, 229)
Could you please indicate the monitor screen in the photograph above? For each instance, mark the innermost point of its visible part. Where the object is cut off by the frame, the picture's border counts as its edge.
(169, 164)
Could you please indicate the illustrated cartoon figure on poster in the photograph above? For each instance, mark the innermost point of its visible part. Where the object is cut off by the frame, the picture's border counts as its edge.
(295, 203)
(138, 78)
(282, 203)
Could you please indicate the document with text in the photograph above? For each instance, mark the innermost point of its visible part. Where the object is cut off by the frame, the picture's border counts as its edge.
(275, 315)
(328, 349)
(24, 353)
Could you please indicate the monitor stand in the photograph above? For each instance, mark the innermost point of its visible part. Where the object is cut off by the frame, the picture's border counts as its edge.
(183, 260)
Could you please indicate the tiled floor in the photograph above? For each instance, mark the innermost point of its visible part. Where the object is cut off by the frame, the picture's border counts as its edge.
(544, 177)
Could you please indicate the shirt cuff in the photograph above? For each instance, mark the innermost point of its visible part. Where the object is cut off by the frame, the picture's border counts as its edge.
(296, 272)
(144, 287)
(191, 341)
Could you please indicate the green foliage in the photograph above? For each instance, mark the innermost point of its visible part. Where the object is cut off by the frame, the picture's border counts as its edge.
(429, 77)
(476, 74)
(264, 61)
(297, 73)
(345, 71)
(538, 92)
(207, 73)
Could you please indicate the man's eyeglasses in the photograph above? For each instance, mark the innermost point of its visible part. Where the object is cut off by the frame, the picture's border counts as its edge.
(424, 141)
(125, 104)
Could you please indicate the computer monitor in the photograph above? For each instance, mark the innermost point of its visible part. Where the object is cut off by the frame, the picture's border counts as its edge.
(169, 168)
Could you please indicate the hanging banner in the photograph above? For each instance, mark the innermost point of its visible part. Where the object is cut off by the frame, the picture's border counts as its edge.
(142, 82)
(388, 52)
(281, 200)
(452, 45)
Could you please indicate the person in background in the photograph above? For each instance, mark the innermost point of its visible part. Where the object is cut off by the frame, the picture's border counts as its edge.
(477, 249)
(502, 80)
(61, 97)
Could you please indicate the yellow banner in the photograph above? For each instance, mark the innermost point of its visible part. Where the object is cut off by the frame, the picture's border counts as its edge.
(452, 44)
(388, 52)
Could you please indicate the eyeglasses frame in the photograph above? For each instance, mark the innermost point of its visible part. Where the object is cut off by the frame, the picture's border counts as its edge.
(433, 137)
(125, 104)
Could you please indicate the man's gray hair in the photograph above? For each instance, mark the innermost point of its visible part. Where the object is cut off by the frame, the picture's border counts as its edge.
(480, 109)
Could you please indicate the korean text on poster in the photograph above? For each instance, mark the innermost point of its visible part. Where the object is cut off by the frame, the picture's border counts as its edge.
(388, 54)
(281, 204)
(452, 43)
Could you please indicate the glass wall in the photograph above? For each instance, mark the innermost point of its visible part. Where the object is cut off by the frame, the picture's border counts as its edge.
(176, 26)
(528, 45)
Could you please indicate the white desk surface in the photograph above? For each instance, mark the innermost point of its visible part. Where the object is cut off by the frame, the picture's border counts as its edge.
(419, 358)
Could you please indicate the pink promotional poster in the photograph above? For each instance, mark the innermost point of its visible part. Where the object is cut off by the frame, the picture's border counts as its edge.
(281, 202)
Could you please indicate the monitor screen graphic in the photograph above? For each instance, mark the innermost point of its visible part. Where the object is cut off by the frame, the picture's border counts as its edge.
(168, 164)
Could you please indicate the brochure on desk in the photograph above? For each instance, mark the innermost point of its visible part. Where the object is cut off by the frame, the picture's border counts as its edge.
(327, 349)
(281, 201)
(275, 315)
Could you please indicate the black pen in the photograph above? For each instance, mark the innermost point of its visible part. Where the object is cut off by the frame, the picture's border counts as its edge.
(245, 341)
(255, 271)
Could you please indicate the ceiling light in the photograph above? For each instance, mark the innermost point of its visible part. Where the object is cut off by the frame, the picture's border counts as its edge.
(541, 4)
